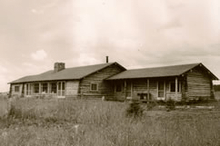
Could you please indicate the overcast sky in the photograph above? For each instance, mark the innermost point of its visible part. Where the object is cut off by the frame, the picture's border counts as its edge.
(135, 33)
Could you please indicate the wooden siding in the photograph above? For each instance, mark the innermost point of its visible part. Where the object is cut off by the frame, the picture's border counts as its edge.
(13, 92)
(139, 86)
(104, 88)
(121, 95)
(129, 88)
(153, 89)
(72, 88)
(198, 84)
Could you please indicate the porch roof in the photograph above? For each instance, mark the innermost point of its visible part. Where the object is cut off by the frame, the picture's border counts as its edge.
(166, 71)
(74, 73)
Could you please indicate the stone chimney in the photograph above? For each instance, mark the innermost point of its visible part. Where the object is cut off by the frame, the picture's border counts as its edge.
(58, 66)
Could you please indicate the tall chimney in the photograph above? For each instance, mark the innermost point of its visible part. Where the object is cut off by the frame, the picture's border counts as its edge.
(106, 59)
(58, 66)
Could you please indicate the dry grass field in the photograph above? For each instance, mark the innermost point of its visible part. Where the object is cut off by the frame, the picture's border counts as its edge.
(65, 122)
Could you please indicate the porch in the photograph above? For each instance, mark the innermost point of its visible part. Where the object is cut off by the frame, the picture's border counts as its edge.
(149, 89)
(46, 89)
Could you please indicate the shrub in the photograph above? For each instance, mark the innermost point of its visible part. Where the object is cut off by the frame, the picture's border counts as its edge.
(134, 110)
(151, 105)
(170, 104)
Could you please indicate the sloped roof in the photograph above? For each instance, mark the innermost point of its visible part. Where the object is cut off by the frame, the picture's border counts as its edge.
(74, 73)
(166, 71)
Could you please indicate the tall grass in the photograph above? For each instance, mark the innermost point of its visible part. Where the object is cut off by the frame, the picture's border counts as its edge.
(97, 123)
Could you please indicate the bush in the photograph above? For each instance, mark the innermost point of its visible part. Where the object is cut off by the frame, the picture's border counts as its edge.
(134, 110)
(151, 105)
(170, 104)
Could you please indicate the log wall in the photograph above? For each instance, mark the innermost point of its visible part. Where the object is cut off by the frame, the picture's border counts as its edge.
(121, 95)
(198, 84)
(104, 88)
(72, 88)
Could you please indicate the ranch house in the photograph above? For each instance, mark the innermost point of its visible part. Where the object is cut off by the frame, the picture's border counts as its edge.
(113, 81)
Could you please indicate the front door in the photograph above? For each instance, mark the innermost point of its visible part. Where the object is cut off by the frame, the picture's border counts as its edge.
(160, 89)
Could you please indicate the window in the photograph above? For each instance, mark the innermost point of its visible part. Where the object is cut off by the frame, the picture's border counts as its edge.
(17, 88)
(36, 88)
(94, 87)
(173, 87)
(161, 89)
(61, 89)
(63, 85)
(53, 88)
(118, 88)
(44, 87)
(28, 89)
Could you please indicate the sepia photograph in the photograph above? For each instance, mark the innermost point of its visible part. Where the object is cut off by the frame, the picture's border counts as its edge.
(109, 73)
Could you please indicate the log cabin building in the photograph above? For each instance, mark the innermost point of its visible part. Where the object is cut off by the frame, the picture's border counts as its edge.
(113, 81)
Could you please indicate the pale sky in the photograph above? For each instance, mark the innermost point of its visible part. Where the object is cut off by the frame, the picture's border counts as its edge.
(135, 33)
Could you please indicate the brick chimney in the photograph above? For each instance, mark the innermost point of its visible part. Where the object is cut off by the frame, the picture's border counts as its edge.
(106, 59)
(58, 66)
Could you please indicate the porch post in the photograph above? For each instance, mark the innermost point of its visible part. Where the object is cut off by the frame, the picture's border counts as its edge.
(32, 88)
(39, 88)
(22, 90)
(125, 88)
(61, 88)
(48, 88)
(148, 90)
(176, 86)
(131, 90)
(57, 88)
(164, 89)
(25, 89)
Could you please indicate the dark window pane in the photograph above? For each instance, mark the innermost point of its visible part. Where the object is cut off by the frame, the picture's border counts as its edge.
(44, 87)
(53, 88)
(161, 86)
(36, 88)
(94, 87)
(118, 88)
(17, 88)
(63, 85)
(172, 87)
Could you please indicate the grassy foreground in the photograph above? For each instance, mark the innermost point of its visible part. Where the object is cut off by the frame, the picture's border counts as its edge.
(65, 122)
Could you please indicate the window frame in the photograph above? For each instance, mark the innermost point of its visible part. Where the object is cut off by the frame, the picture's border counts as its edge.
(17, 88)
(44, 87)
(28, 89)
(178, 88)
(61, 88)
(36, 86)
(91, 86)
(161, 90)
(53, 87)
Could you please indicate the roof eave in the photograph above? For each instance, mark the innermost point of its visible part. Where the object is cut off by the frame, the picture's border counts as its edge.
(114, 63)
(44, 81)
(209, 72)
(143, 77)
